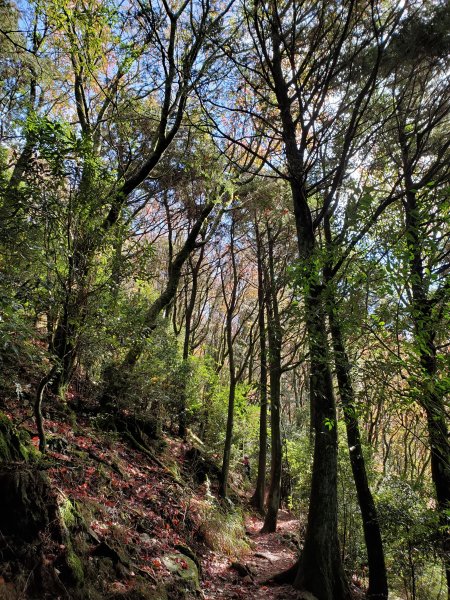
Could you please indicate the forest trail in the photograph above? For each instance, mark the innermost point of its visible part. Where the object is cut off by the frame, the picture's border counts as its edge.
(270, 553)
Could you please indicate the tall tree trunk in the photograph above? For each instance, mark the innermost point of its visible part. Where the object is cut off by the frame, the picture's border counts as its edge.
(195, 269)
(231, 305)
(274, 336)
(378, 584)
(319, 569)
(257, 499)
(432, 392)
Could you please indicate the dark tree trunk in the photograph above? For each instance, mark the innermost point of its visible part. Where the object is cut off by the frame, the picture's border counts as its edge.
(432, 392)
(223, 483)
(257, 499)
(378, 585)
(320, 568)
(231, 305)
(195, 269)
(274, 336)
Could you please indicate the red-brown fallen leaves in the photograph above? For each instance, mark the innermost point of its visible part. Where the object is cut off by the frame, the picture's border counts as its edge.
(132, 502)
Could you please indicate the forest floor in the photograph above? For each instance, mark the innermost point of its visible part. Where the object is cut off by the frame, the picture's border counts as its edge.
(146, 506)
(271, 553)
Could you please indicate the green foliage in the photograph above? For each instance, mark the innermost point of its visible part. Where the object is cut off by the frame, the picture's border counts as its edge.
(223, 530)
(411, 529)
(297, 454)
(55, 139)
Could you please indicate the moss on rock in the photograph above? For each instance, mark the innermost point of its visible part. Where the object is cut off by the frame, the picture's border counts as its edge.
(184, 572)
(68, 512)
(75, 566)
(11, 447)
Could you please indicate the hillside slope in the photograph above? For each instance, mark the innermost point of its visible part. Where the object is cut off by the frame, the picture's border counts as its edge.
(127, 519)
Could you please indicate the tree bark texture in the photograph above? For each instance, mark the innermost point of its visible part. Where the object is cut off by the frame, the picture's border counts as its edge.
(432, 393)
(378, 585)
(260, 489)
(230, 306)
(274, 338)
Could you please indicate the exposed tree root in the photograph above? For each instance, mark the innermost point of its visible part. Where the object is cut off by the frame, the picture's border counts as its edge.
(285, 577)
(145, 450)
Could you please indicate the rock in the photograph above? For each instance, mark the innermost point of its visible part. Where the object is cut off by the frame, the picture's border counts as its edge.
(184, 582)
(11, 447)
(57, 443)
(186, 551)
(146, 539)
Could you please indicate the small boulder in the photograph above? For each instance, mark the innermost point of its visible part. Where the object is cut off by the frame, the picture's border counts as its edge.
(185, 581)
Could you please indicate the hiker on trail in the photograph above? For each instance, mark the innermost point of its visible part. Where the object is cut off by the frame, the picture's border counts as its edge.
(246, 463)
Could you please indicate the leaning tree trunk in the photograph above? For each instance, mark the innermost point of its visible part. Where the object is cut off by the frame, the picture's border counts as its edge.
(378, 585)
(117, 379)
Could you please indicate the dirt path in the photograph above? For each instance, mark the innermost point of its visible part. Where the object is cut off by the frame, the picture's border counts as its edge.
(270, 554)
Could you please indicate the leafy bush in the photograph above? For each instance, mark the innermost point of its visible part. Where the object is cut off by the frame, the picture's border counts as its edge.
(222, 530)
(411, 530)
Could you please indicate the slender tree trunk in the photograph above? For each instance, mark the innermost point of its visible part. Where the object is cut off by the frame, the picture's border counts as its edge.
(273, 498)
(257, 499)
(378, 585)
(66, 340)
(117, 380)
(432, 397)
(195, 269)
(223, 483)
(231, 305)
(274, 336)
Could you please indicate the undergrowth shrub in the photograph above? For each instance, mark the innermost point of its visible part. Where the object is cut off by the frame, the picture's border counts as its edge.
(411, 528)
(222, 530)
